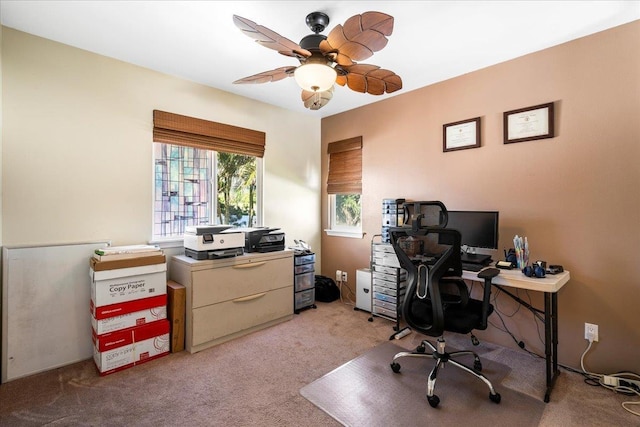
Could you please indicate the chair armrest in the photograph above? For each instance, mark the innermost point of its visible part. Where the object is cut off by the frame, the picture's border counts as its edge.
(487, 274)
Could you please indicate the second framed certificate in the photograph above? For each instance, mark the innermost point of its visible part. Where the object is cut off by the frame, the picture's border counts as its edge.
(528, 124)
(461, 135)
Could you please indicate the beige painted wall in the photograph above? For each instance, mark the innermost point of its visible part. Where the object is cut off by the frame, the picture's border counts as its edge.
(575, 196)
(77, 143)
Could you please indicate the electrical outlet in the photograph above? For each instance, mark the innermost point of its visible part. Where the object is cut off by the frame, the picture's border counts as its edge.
(338, 276)
(344, 276)
(591, 332)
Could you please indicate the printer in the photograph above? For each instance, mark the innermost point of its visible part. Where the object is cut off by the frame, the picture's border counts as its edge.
(213, 241)
(263, 239)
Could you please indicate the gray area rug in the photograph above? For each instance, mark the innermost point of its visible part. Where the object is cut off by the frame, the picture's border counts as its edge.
(365, 392)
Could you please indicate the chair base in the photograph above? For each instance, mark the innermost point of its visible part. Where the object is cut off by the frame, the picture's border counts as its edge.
(442, 357)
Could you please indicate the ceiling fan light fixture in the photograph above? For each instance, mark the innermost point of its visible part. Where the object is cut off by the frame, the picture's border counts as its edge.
(315, 77)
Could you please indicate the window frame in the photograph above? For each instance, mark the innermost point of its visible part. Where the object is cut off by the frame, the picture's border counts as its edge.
(344, 177)
(177, 241)
(338, 230)
(177, 129)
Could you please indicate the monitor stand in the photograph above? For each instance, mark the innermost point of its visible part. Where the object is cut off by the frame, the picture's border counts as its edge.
(474, 258)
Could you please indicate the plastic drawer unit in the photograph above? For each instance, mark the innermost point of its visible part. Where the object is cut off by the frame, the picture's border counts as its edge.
(304, 292)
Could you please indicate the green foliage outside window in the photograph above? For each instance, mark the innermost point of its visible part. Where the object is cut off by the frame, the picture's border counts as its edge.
(236, 179)
(348, 210)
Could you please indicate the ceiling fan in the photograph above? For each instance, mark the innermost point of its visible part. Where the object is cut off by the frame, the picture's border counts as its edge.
(325, 60)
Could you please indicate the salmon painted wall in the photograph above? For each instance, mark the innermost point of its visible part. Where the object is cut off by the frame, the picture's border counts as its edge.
(575, 196)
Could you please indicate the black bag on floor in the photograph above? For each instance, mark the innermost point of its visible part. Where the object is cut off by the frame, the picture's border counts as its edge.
(326, 289)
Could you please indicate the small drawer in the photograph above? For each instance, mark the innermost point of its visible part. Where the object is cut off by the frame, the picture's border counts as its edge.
(385, 312)
(384, 304)
(304, 259)
(384, 297)
(304, 268)
(304, 281)
(304, 299)
(388, 291)
(383, 248)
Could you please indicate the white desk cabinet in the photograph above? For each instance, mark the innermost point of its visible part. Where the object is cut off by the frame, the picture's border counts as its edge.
(231, 297)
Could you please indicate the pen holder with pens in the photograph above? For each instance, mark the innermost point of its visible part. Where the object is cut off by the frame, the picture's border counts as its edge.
(521, 251)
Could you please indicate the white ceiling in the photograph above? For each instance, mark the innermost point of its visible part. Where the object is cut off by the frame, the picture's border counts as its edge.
(196, 40)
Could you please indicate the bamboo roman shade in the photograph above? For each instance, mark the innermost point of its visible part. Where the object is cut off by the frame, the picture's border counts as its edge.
(345, 166)
(173, 128)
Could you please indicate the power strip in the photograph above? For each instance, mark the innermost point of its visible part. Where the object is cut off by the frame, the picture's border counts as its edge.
(621, 382)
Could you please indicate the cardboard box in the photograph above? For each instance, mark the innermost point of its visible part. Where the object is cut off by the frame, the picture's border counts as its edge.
(129, 320)
(177, 298)
(120, 350)
(119, 309)
(97, 265)
(127, 284)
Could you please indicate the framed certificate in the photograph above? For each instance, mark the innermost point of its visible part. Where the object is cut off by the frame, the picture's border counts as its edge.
(528, 124)
(461, 135)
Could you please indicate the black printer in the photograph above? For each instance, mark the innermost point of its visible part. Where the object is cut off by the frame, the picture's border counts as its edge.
(262, 239)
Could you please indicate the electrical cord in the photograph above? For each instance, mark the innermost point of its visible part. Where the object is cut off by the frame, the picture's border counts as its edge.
(522, 301)
(350, 292)
(601, 380)
(591, 378)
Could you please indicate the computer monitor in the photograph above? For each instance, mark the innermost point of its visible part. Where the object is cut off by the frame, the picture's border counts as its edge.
(478, 229)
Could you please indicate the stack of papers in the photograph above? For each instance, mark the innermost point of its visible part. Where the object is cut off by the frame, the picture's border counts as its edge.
(113, 253)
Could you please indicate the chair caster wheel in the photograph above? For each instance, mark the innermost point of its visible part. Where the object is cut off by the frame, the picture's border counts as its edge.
(474, 340)
(434, 400)
(421, 348)
(495, 398)
(395, 367)
(477, 365)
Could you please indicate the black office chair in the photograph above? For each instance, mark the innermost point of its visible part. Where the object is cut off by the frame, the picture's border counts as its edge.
(437, 299)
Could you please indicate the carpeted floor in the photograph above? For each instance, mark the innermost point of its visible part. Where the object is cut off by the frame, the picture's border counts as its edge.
(256, 381)
(365, 392)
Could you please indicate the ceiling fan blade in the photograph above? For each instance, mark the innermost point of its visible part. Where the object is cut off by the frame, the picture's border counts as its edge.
(268, 76)
(269, 38)
(366, 78)
(316, 100)
(358, 38)
(377, 21)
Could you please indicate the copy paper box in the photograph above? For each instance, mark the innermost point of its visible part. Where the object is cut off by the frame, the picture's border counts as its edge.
(129, 320)
(126, 284)
(119, 309)
(97, 265)
(116, 351)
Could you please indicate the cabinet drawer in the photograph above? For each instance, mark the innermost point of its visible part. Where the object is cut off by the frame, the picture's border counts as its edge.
(304, 268)
(304, 259)
(216, 285)
(304, 299)
(304, 281)
(218, 320)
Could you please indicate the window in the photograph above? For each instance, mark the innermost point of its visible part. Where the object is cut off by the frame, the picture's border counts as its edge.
(205, 173)
(344, 186)
(345, 212)
(186, 180)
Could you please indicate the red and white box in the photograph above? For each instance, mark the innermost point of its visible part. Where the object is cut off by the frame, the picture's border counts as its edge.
(130, 320)
(114, 310)
(123, 349)
(110, 287)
